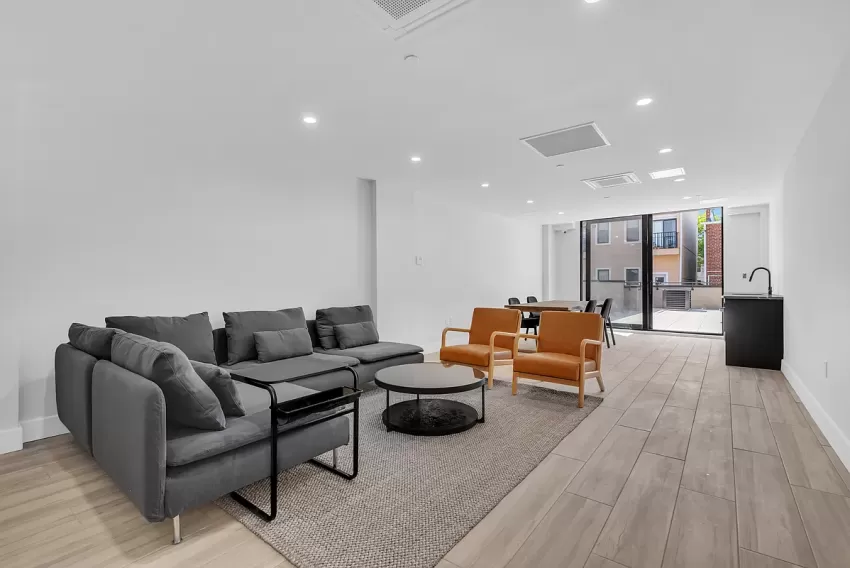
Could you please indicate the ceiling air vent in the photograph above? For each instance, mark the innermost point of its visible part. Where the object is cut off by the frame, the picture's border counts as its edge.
(617, 180)
(568, 140)
(400, 17)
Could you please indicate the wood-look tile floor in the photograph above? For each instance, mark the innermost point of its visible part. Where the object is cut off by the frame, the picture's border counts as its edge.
(686, 463)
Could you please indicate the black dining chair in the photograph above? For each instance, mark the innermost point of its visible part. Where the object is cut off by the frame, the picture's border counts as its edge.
(527, 322)
(605, 312)
(533, 300)
(590, 307)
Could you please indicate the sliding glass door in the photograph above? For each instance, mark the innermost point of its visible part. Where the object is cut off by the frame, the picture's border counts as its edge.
(613, 268)
(662, 271)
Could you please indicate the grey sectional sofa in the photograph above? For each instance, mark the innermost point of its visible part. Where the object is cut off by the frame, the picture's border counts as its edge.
(120, 417)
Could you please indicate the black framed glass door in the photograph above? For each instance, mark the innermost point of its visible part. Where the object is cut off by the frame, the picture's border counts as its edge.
(662, 271)
(613, 267)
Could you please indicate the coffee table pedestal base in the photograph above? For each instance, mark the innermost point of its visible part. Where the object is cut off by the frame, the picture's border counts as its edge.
(430, 417)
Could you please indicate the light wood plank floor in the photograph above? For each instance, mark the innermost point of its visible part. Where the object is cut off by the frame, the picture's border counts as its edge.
(687, 463)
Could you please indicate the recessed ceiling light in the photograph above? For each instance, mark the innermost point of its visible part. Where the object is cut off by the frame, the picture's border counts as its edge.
(530, 201)
(679, 179)
(415, 159)
(560, 166)
(686, 197)
(644, 102)
(561, 212)
(485, 184)
(411, 58)
(591, 1)
(665, 150)
(607, 197)
(309, 119)
(712, 201)
(675, 172)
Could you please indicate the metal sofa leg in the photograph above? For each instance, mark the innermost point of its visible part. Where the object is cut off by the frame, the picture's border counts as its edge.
(176, 525)
(336, 455)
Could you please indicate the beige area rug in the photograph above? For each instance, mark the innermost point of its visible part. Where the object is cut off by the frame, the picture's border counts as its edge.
(414, 497)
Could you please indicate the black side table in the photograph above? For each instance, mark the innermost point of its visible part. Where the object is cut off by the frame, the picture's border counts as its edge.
(315, 408)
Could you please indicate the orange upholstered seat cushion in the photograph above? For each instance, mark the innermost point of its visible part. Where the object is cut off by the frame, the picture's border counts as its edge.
(472, 354)
(487, 320)
(557, 365)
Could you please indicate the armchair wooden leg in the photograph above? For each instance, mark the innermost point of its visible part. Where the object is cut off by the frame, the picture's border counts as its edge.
(514, 384)
(581, 392)
(490, 376)
(601, 384)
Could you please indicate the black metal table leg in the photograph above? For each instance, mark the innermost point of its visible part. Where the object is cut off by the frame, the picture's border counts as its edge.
(482, 404)
(273, 473)
(355, 454)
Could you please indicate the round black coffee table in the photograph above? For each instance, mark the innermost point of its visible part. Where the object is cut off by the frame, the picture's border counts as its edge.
(430, 416)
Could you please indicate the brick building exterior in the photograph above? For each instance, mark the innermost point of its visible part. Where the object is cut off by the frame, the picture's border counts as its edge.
(714, 253)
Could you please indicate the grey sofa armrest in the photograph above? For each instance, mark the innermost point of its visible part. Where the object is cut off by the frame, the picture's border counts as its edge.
(128, 435)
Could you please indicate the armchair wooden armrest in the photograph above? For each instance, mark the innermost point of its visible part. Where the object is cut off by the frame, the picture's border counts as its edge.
(493, 337)
(448, 329)
(584, 344)
(519, 336)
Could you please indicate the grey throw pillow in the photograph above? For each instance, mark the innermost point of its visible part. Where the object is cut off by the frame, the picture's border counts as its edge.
(327, 318)
(350, 335)
(240, 327)
(188, 400)
(223, 387)
(191, 334)
(96, 341)
(282, 344)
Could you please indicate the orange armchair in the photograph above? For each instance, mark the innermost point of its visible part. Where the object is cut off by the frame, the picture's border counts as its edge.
(569, 350)
(492, 341)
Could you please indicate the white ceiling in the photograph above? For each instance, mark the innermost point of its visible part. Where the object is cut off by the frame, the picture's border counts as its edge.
(218, 87)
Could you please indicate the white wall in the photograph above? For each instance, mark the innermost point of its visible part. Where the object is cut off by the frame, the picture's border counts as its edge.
(83, 250)
(815, 203)
(746, 237)
(567, 262)
(469, 259)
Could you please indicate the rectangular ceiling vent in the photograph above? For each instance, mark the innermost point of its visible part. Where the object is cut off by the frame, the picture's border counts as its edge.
(568, 140)
(606, 182)
(400, 17)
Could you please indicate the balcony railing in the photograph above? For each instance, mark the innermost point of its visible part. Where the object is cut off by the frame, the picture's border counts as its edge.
(669, 240)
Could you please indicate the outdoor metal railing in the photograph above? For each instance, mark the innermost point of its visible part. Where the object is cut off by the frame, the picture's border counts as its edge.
(667, 240)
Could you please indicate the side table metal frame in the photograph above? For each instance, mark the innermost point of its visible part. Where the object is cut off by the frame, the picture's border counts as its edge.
(273, 489)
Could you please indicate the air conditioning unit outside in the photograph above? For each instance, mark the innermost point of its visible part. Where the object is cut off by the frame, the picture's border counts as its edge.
(400, 17)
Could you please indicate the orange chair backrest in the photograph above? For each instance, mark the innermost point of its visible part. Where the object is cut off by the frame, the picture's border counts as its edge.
(487, 320)
(562, 332)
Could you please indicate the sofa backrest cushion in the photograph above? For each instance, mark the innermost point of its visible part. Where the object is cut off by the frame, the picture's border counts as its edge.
(350, 335)
(241, 326)
(188, 400)
(314, 333)
(327, 318)
(96, 341)
(223, 387)
(191, 334)
(282, 344)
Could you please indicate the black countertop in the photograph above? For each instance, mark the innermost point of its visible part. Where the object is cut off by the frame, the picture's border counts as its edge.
(751, 297)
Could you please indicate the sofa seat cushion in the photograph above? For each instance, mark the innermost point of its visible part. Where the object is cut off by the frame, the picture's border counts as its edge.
(473, 354)
(292, 368)
(187, 445)
(375, 352)
(557, 365)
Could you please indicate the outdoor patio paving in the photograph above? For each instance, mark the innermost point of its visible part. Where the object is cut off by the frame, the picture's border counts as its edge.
(694, 321)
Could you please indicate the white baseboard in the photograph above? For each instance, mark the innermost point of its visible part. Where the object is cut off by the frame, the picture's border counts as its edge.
(11, 440)
(44, 427)
(836, 438)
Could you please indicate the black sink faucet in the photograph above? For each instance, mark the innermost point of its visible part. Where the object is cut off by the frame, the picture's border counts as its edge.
(769, 281)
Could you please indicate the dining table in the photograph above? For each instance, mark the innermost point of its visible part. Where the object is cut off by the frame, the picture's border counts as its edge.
(550, 306)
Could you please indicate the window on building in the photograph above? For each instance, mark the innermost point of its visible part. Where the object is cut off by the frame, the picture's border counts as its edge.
(633, 275)
(603, 233)
(633, 231)
(603, 274)
(660, 277)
